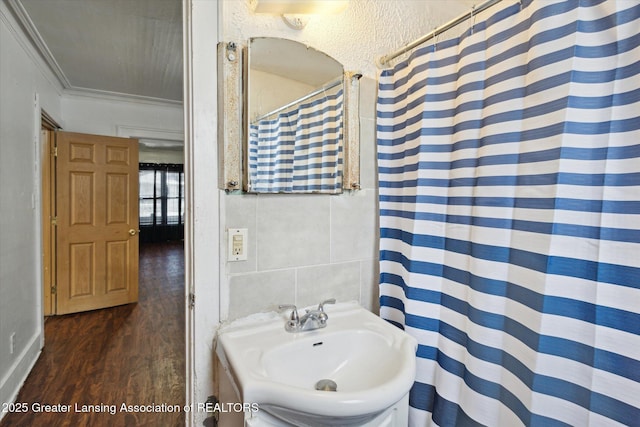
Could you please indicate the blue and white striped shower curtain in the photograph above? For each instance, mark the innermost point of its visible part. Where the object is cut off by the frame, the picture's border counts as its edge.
(300, 149)
(509, 172)
(271, 147)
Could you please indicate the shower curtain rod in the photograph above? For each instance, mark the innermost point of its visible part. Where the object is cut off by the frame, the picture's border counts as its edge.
(383, 60)
(303, 98)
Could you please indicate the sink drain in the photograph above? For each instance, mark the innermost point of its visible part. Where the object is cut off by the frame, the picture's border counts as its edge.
(326, 385)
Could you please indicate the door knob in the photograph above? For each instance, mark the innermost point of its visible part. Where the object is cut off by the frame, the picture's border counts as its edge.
(133, 232)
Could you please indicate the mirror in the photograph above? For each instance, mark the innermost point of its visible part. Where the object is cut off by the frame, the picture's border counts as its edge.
(295, 130)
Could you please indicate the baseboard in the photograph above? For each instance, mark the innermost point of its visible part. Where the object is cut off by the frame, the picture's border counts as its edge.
(14, 379)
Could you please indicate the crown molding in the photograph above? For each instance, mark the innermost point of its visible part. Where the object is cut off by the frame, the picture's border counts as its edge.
(120, 97)
(156, 134)
(37, 41)
(153, 139)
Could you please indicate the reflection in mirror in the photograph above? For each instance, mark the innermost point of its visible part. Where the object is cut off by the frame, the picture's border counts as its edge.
(295, 131)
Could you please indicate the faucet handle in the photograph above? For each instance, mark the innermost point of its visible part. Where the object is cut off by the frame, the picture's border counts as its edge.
(322, 316)
(293, 324)
(294, 312)
(328, 301)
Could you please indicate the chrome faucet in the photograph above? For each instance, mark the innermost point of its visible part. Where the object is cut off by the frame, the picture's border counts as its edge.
(312, 319)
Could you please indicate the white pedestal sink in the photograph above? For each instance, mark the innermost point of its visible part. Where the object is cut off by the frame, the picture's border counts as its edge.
(370, 362)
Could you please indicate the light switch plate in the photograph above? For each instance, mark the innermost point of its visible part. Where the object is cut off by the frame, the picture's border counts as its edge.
(237, 244)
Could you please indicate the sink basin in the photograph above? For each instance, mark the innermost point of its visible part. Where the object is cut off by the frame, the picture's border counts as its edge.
(370, 362)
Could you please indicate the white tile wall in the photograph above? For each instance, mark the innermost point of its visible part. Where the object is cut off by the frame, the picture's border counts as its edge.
(369, 279)
(319, 283)
(292, 230)
(354, 227)
(263, 291)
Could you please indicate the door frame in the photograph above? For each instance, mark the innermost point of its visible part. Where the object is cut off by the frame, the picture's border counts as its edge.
(46, 128)
(204, 267)
(48, 230)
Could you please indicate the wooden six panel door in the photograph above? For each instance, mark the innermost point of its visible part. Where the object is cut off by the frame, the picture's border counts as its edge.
(97, 222)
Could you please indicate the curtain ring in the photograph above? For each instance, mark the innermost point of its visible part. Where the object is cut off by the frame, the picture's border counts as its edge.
(435, 43)
(471, 18)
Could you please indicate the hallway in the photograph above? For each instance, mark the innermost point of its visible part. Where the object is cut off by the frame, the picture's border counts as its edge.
(132, 354)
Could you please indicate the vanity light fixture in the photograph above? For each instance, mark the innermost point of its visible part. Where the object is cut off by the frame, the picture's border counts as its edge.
(296, 13)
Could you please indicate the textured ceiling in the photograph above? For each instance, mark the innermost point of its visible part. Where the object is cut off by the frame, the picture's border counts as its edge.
(121, 46)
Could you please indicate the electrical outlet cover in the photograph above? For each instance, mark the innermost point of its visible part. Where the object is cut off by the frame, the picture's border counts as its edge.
(237, 240)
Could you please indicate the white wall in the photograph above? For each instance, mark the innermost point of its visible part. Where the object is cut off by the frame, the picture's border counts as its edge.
(121, 117)
(266, 94)
(127, 117)
(151, 155)
(22, 76)
(124, 117)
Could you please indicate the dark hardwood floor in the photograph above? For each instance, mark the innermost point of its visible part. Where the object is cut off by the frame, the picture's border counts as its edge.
(132, 354)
